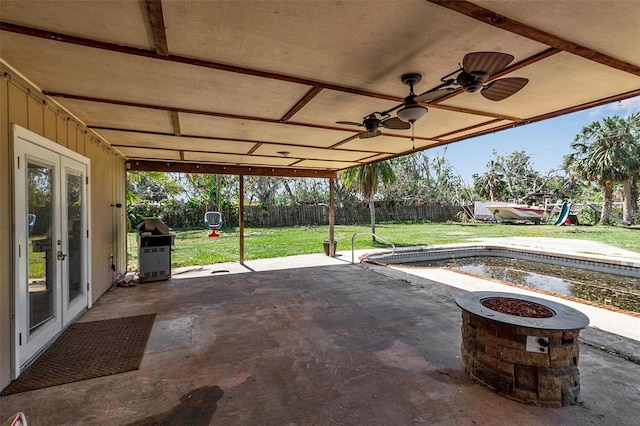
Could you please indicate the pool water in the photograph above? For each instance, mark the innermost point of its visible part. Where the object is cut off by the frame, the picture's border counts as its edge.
(607, 289)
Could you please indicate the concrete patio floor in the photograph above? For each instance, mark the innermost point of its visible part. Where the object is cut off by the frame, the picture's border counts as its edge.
(313, 340)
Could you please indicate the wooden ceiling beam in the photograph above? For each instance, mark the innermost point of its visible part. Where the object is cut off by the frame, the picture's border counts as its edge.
(255, 148)
(175, 123)
(156, 19)
(173, 166)
(489, 17)
(301, 103)
(342, 142)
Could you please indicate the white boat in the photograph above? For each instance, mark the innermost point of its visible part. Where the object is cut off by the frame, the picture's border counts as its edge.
(516, 212)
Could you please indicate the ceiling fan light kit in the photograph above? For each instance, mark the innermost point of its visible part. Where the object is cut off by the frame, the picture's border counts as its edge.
(411, 113)
(411, 110)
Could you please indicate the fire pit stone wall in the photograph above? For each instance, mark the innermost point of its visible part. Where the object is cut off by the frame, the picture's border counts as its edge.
(535, 364)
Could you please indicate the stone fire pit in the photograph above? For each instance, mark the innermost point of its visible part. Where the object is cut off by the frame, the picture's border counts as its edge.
(522, 347)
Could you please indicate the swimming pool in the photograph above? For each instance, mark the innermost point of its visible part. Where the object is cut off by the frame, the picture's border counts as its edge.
(613, 283)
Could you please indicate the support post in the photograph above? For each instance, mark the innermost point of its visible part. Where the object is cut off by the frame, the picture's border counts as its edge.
(218, 197)
(331, 217)
(241, 219)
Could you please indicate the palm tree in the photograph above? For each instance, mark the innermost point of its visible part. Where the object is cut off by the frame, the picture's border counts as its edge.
(367, 179)
(608, 153)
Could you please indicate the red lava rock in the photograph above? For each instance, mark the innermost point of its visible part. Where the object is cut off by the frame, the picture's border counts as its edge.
(520, 308)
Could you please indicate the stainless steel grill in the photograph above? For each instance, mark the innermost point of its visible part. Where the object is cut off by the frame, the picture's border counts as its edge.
(154, 250)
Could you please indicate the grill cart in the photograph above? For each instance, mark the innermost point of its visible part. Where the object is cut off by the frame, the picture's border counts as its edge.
(154, 250)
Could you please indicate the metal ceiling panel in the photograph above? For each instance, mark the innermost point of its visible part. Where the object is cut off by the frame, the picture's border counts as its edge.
(251, 130)
(119, 22)
(146, 140)
(310, 153)
(325, 165)
(248, 160)
(366, 44)
(381, 144)
(150, 154)
(96, 114)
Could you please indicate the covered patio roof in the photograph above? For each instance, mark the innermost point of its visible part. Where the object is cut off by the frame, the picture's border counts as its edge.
(256, 87)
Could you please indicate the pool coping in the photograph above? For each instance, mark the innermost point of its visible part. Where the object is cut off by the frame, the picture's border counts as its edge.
(600, 263)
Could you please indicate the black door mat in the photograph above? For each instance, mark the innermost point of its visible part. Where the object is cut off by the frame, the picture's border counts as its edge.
(86, 350)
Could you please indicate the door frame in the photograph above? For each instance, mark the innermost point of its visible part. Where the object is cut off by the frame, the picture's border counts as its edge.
(21, 136)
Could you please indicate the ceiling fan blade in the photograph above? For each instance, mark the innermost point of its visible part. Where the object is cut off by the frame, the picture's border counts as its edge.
(486, 62)
(434, 94)
(351, 123)
(367, 135)
(395, 123)
(501, 89)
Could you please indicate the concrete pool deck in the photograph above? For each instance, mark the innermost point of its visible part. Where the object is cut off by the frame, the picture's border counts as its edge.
(612, 321)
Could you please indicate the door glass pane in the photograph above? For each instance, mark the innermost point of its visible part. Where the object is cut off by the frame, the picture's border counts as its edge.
(41, 265)
(74, 235)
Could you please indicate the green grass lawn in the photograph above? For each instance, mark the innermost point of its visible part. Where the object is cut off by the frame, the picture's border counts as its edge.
(196, 248)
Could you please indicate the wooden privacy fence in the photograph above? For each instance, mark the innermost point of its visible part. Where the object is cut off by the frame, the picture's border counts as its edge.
(274, 216)
(319, 215)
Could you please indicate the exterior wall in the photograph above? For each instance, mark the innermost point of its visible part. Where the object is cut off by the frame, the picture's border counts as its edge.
(27, 107)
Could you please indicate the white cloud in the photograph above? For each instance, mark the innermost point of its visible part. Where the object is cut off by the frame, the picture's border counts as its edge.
(623, 108)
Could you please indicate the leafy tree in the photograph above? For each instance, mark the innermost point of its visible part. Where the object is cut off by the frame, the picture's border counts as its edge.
(367, 179)
(424, 180)
(154, 186)
(344, 195)
(444, 182)
(513, 177)
(203, 188)
(608, 152)
(299, 191)
(490, 184)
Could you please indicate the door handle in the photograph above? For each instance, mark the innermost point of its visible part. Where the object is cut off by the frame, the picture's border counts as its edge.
(61, 255)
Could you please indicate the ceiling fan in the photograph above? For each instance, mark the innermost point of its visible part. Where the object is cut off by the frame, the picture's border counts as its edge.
(372, 122)
(476, 69)
(409, 111)
(472, 76)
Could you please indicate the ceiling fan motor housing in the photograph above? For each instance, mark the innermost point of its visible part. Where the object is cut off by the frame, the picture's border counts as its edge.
(471, 82)
(371, 124)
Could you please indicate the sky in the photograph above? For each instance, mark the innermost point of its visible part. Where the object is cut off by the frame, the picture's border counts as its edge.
(546, 142)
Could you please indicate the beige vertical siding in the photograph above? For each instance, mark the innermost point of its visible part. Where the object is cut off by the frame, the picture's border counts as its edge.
(61, 130)
(50, 124)
(28, 108)
(5, 243)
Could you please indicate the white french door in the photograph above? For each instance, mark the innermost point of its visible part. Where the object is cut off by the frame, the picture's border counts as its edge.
(51, 241)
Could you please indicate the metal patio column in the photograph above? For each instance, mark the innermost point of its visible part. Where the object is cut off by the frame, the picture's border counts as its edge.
(331, 216)
(241, 219)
